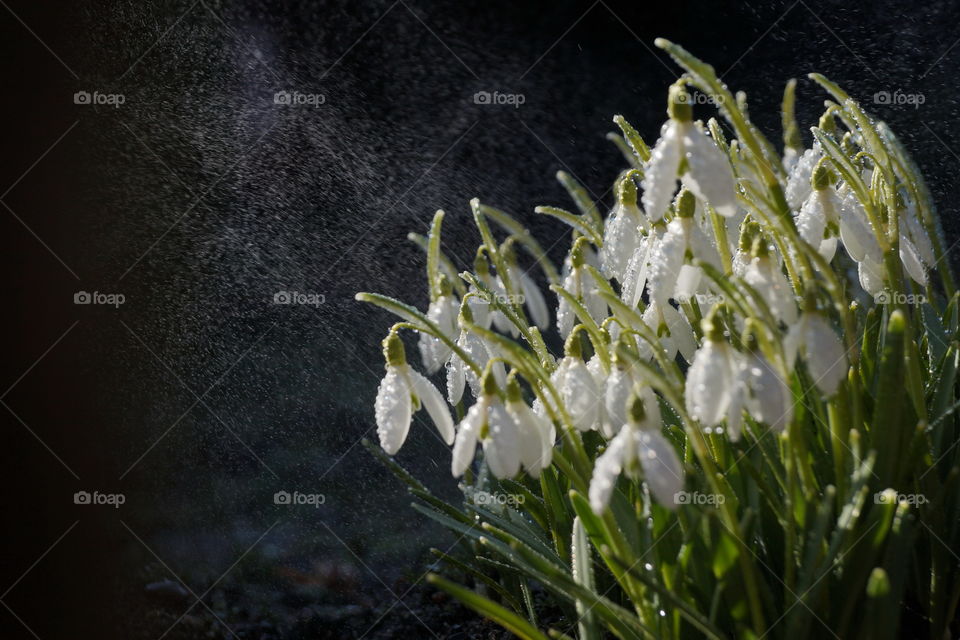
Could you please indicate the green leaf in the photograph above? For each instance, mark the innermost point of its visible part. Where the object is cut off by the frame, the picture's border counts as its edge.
(637, 145)
(489, 609)
(580, 223)
(582, 199)
(582, 565)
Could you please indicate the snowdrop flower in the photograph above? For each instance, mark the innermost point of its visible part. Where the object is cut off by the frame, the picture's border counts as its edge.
(402, 392)
(798, 181)
(480, 352)
(489, 423)
(768, 398)
(814, 339)
(638, 443)
(685, 150)
(819, 218)
(443, 313)
(713, 378)
(671, 272)
(577, 387)
(766, 276)
(532, 297)
(621, 384)
(581, 285)
(742, 257)
(537, 434)
(638, 267)
(621, 237)
(495, 287)
(672, 328)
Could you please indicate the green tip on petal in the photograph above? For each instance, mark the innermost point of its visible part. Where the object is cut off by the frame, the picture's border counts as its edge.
(636, 412)
(514, 394)
(711, 325)
(489, 382)
(686, 204)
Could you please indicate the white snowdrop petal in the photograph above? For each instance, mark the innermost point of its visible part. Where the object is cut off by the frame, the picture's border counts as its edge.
(707, 391)
(681, 332)
(502, 447)
(661, 467)
(607, 469)
(393, 410)
(616, 395)
(465, 442)
(636, 273)
(710, 175)
(620, 239)
(855, 231)
(871, 276)
(660, 173)
(456, 379)
(580, 395)
(911, 262)
(536, 304)
(534, 454)
(798, 182)
(666, 259)
(770, 399)
(433, 402)
(812, 221)
(825, 355)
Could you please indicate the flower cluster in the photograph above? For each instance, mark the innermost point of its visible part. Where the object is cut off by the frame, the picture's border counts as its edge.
(735, 302)
(705, 282)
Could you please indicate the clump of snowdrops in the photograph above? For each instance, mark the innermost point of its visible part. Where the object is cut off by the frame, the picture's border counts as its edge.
(749, 430)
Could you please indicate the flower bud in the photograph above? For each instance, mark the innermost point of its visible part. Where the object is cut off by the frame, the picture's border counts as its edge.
(686, 204)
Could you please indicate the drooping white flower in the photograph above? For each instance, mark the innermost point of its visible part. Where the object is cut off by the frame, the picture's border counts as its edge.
(621, 236)
(712, 378)
(684, 149)
(443, 313)
(490, 424)
(581, 285)
(798, 181)
(672, 273)
(533, 298)
(814, 339)
(818, 221)
(766, 276)
(402, 392)
(479, 351)
(536, 433)
(638, 443)
(769, 399)
(638, 267)
(577, 387)
(621, 384)
(672, 328)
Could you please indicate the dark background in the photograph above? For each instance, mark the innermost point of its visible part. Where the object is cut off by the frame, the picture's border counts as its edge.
(199, 198)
